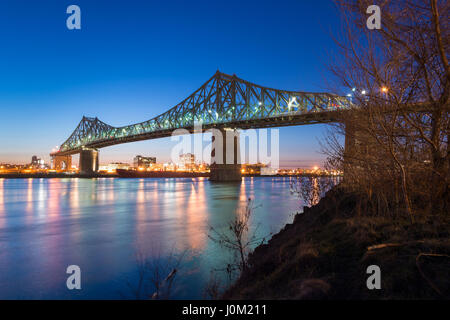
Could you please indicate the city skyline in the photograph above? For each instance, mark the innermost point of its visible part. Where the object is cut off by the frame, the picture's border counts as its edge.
(86, 72)
(41, 161)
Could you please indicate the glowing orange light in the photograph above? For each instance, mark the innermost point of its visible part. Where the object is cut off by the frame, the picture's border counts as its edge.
(384, 89)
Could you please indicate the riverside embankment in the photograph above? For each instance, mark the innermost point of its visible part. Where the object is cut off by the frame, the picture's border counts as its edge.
(325, 253)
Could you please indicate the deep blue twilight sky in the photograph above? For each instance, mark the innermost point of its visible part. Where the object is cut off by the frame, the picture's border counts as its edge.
(134, 59)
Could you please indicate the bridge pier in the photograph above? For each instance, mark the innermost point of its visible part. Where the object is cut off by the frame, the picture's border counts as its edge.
(225, 156)
(350, 150)
(62, 163)
(358, 145)
(88, 161)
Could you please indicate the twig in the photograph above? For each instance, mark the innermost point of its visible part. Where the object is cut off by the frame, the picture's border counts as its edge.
(421, 272)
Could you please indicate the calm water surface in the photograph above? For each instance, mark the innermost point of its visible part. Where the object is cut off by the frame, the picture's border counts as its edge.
(102, 225)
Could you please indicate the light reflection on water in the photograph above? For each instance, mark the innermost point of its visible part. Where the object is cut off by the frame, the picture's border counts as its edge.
(102, 224)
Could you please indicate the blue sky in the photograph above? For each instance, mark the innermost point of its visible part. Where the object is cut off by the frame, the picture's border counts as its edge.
(133, 60)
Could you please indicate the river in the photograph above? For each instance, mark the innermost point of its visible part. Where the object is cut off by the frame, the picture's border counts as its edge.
(110, 226)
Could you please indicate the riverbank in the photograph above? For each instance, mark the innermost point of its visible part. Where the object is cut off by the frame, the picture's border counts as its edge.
(167, 175)
(325, 252)
(54, 175)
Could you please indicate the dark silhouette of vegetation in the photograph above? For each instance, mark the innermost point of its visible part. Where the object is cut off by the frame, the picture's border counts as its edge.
(241, 240)
(214, 287)
(396, 154)
(156, 275)
(325, 252)
(310, 189)
(238, 237)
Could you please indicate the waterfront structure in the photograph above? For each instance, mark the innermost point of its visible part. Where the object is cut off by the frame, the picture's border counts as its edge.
(187, 161)
(143, 162)
(62, 163)
(112, 167)
(255, 168)
(37, 163)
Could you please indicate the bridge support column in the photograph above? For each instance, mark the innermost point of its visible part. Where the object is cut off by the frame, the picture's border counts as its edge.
(62, 163)
(225, 156)
(358, 145)
(350, 150)
(88, 161)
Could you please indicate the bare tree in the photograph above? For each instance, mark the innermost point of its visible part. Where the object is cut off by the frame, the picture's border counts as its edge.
(214, 287)
(310, 189)
(156, 275)
(162, 274)
(396, 150)
(238, 237)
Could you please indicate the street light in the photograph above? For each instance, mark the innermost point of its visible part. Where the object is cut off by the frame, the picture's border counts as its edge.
(385, 91)
(363, 92)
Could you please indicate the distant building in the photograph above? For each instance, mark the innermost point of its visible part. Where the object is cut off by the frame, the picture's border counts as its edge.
(143, 162)
(253, 168)
(267, 171)
(169, 166)
(187, 161)
(112, 167)
(37, 163)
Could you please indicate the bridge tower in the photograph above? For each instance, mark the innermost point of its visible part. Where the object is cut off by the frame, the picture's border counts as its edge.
(62, 163)
(88, 161)
(225, 156)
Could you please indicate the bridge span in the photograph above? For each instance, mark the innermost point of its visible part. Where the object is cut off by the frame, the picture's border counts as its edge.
(223, 102)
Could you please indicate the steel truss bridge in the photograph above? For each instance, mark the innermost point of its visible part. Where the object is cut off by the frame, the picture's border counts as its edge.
(224, 101)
